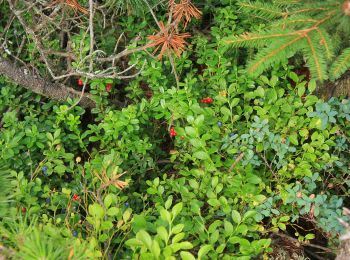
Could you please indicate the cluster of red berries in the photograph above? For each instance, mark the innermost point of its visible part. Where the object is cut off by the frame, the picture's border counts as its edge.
(173, 132)
(75, 197)
(207, 100)
(80, 83)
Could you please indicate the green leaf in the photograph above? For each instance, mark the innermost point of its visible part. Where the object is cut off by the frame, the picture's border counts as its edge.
(113, 211)
(234, 102)
(301, 90)
(284, 219)
(228, 228)
(127, 215)
(204, 250)
(186, 245)
(194, 184)
(271, 96)
(312, 86)
(66, 191)
(180, 246)
(108, 200)
(304, 133)
(293, 76)
(199, 120)
(176, 209)
(169, 202)
(282, 226)
(165, 215)
(249, 214)
(155, 249)
(213, 226)
(96, 210)
(139, 222)
(309, 236)
(190, 131)
(60, 169)
(214, 181)
(186, 256)
(201, 155)
(177, 229)
(197, 142)
(49, 136)
(236, 217)
(178, 237)
(133, 242)
(214, 202)
(273, 81)
(294, 139)
(260, 92)
(242, 229)
(163, 233)
(106, 225)
(145, 238)
(225, 111)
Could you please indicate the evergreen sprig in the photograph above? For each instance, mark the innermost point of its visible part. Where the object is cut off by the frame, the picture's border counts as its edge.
(298, 27)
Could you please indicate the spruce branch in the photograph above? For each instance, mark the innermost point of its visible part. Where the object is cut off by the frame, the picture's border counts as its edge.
(315, 59)
(279, 51)
(294, 28)
(266, 10)
(340, 65)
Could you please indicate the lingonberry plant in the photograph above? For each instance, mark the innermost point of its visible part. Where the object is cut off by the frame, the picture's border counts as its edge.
(131, 130)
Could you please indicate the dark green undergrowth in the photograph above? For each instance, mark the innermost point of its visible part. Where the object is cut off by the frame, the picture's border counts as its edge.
(170, 176)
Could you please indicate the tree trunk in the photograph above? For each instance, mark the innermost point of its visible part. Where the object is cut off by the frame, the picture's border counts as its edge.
(340, 87)
(34, 82)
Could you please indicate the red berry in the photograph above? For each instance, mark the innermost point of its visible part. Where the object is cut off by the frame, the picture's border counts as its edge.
(76, 197)
(207, 100)
(173, 132)
(80, 82)
(24, 210)
(108, 87)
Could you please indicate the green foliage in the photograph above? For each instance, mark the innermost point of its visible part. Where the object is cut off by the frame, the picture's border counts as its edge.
(297, 27)
(5, 189)
(112, 183)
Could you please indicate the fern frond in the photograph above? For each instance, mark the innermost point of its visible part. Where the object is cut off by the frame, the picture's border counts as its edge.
(277, 52)
(266, 10)
(340, 65)
(316, 60)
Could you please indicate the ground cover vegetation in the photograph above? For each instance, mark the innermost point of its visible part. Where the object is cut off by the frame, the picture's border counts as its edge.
(173, 129)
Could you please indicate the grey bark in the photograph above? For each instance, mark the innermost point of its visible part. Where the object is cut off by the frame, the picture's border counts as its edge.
(30, 80)
(340, 87)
